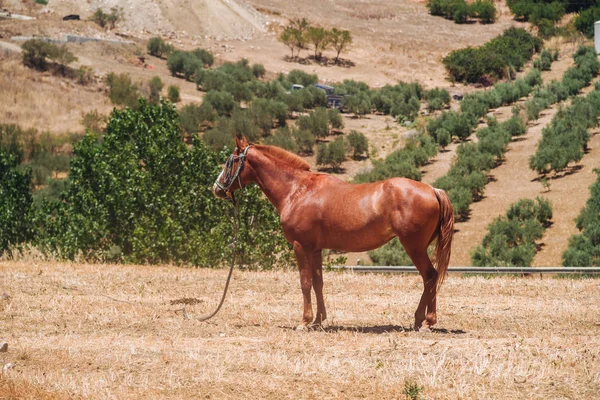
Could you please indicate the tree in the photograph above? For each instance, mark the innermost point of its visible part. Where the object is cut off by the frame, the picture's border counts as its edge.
(36, 54)
(358, 144)
(173, 94)
(155, 86)
(158, 48)
(140, 194)
(108, 19)
(288, 37)
(340, 40)
(319, 38)
(332, 154)
(121, 90)
(16, 203)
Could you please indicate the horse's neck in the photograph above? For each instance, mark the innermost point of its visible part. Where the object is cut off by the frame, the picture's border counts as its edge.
(275, 182)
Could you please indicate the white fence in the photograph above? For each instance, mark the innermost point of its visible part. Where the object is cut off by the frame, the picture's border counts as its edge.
(475, 270)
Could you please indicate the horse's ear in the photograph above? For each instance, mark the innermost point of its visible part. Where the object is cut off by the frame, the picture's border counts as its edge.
(241, 143)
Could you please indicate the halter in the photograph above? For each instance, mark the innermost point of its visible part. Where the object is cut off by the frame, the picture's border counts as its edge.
(228, 175)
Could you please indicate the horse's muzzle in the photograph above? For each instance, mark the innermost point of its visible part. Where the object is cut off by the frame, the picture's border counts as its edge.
(219, 193)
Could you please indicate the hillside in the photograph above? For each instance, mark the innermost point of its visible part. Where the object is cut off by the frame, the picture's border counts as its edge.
(391, 42)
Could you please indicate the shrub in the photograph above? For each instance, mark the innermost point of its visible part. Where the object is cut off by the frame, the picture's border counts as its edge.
(93, 121)
(392, 253)
(222, 102)
(457, 124)
(193, 115)
(173, 94)
(158, 48)
(340, 40)
(265, 112)
(584, 248)
(513, 48)
(584, 22)
(283, 138)
(155, 86)
(403, 162)
(332, 154)
(15, 204)
(437, 99)
(316, 122)
(358, 104)
(564, 140)
(36, 54)
(258, 70)
(121, 90)
(358, 144)
(304, 139)
(511, 238)
(188, 63)
(485, 10)
(335, 118)
(108, 19)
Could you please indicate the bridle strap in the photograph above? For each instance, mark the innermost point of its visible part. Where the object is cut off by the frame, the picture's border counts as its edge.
(229, 179)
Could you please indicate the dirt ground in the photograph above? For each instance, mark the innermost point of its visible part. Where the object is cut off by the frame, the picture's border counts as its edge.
(104, 331)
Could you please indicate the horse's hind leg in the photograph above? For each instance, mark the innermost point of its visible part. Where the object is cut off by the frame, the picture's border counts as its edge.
(426, 310)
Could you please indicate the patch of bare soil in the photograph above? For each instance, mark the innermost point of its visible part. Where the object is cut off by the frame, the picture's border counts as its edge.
(513, 180)
(104, 331)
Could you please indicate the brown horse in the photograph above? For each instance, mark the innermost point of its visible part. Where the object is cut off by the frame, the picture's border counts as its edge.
(319, 211)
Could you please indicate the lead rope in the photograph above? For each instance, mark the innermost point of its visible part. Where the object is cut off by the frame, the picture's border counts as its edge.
(236, 216)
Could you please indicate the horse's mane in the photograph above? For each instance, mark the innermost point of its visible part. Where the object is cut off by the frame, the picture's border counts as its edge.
(284, 157)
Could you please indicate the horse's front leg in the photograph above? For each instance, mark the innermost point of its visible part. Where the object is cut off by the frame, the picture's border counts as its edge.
(306, 282)
(316, 266)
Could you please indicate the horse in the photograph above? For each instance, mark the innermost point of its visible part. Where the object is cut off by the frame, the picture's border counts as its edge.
(318, 211)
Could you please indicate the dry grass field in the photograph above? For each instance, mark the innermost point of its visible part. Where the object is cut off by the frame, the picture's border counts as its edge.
(105, 331)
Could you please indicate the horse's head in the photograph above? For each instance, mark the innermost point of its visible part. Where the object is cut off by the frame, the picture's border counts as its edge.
(235, 174)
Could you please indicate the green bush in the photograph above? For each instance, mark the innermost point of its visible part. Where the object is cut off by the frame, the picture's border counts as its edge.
(188, 63)
(403, 162)
(158, 48)
(332, 154)
(457, 124)
(155, 86)
(511, 238)
(109, 19)
(392, 253)
(15, 204)
(36, 54)
(335, 119)
(258, 70)
(266, 112)
(359, 104)
(304, 139)
(584, 22)
(437, 99)
(192, 116)
(584, 248)
(565, 139)
(485, 10)
(358, 144)
(222, 102)
(316, 122)
(283, 138)
(492, 60)
(173, 94)
(121, 90)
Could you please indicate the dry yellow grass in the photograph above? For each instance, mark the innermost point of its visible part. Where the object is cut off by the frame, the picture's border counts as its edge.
(48, 103)
(500, 338)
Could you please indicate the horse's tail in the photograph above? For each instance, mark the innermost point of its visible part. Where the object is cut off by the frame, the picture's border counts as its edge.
(444, 236)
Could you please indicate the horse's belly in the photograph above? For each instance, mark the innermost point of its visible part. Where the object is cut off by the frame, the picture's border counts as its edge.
(358, 238)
